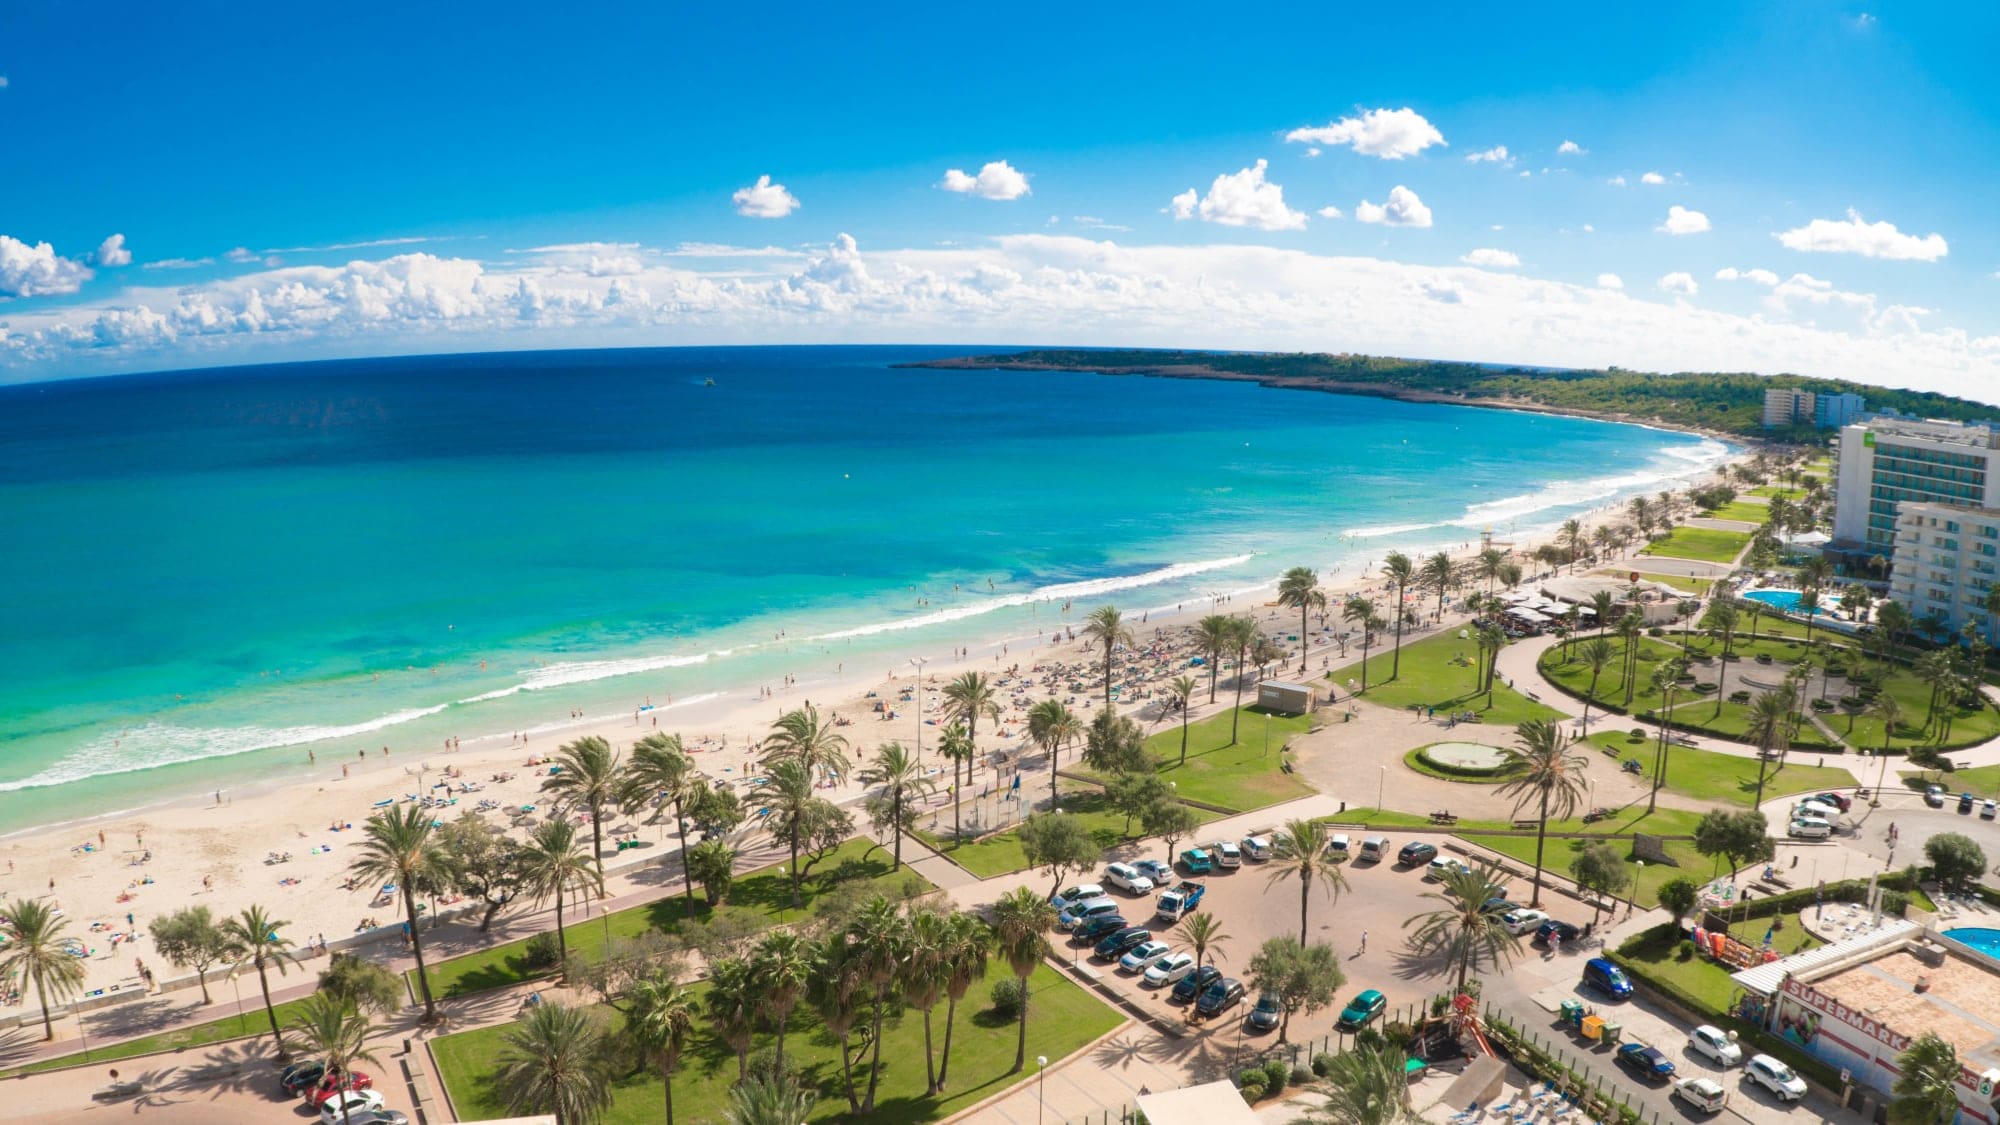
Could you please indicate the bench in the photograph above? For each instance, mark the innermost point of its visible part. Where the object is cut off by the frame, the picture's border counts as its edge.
(117, 1091)
(1527, 825)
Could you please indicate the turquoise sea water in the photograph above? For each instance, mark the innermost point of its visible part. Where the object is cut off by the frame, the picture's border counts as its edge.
(210, 572)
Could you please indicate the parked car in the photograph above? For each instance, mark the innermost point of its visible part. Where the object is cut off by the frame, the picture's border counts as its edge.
(1840, 801)
(299, 1076)
(1158, 870)
(324, 1090)
(1711, 1042)
(1142, 958)
(378, 1117)
(1256, 849)
(1219, 997)
(1809, 828)
(1169, 969)
(1605, 977)
(1965, 802)
(1267, 1012)
(1099, 928)
(1361, 1010)
(1190, 986)
(1415, 853)
(1500, 904)
(1934, 796)
(1987, 810)
(1518, 922)
(1079, 913)
(1706, 1095)
(1561, 931)
(1337, 846)
(1442, 867)
(1776, 1077)
(1126, 878)
(1116, 944)
(1082, 892)
(1374, 848)
(1823, 811)
(1227, 854)
(1195, 861)
(1645, 1060)
(352, 1102)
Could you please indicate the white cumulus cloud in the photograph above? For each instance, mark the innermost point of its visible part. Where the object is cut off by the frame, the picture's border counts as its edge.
(1571, 148)
(111, 253)
(1241, 199)
(764, 200)
(1329, 212)
(37, 270)
(1402, 209)
(1493, 259)
(1653, 178)
(1391, 134)
(996, 180)
(1610, 281)
(1616, 181)
(177, 263)
(1680, 220)
(1760, 276)
(1495, 155)
(1682, 283)
(1854, 235)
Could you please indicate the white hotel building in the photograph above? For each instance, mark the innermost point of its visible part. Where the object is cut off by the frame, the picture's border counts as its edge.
(1886, 463)
(1947, 559)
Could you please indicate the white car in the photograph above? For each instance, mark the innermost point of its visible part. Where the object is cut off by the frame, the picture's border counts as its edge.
(1079, 893)
(1776, 1077)
(1712, 1043)
(1706, 1095)
(1226, 853)
(350, 1101)
(1169, 969)
(1126, 878)
(1144, 956)
(1518, 922)
(1819, 809)
(1442, 867)
(1337, 846)
(1809, 828)
(1259, 847)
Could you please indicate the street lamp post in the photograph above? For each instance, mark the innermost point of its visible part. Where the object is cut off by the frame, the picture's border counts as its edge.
(1632, 900)
(918, 663)
(1381, 778)
(1041, 1083)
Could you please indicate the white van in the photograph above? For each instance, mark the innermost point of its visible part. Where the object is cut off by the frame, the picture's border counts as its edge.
(1375, 848)
(1809, 828)
(1820, 809)
(1256, 848)
(1706, 1095)
(1337, 846)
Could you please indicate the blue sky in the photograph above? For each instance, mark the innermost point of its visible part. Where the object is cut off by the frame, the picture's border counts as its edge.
(424, 179)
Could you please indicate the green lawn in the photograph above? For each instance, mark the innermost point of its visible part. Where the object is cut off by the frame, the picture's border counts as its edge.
(1699, 543)
(253, 1021)
(1711, 714)
(1726, 779)
(1439, 672)
(1618, 830)
(1062, 1018)
(1668, 955)
(1679, 582)
(1240, 776)
(764, 894)
(1001, 854)
(1774, 491)
(1743, 510)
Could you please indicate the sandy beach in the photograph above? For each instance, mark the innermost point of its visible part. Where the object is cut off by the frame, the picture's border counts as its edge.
(286, 845)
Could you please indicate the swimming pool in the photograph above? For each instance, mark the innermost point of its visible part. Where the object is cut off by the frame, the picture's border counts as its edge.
(1984, 940)
(1788, 600)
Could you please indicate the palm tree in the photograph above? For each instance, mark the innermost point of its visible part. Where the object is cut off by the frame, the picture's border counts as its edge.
(1935, 669)
(1595, 653)
(1181, 690)
(1770, 727)
(1359, 609)
(1203, 934)
(783, 964)
(555, 1062)
(800, 737)
(1721, 622)
(1601, 604)
(553, 864)
(768, 1101)
(1926, 1086)
(34, 953)
(1212, 633)
(967, 949)
(1438, 574)
(901, 777)
(590, 775)
(712, 863)
(1666, 681)
(1052, 726)
(1106, 627)
(1466, 928)
(1367, 1086)
(1244, 635)
(1630, 628)
(659, 1017)
(881, 936)
(923, 977)
(661, 767)
(1572, 537)
(966, 698)
(397, 847)
(833, 993)
(955, 746)
(254, 934)
(1543, 769)
(1299, 589)
(1491, 639)
(1397, 568)
(787, 785)
(1021, 923)
(735, 997)
(338, 1032)
(1884, 707)
(1299, 852)
(1491, 559)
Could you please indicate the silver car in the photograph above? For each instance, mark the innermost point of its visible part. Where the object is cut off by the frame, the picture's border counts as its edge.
(1714, 1044)
(1776, 1077)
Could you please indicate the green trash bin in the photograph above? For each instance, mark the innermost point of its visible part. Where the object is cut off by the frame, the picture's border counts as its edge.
(1572, 1013)
(1614, 1033)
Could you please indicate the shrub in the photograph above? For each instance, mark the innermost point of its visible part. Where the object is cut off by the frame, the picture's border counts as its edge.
(1251, 1082)
(1822, 706)
(1656, 631)
(1705, 687)
(1301, 1076)
(764, 1064)
(1739, 697)
(1322, 1064)
(1008, 993)
(541, 953)
(1276, 1072)
(1368, 1039)
(1638, 734)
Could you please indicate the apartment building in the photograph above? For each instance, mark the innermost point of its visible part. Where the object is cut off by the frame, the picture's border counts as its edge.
(1946, 562)
(1886, 462)
(1787, 407)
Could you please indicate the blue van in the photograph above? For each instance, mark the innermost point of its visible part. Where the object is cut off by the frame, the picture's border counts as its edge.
(1605, 977)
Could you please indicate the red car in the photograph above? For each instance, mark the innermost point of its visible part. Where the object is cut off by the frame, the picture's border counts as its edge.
(326, 1087)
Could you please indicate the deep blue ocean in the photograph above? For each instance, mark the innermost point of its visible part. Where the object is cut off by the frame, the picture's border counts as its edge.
(208, 572)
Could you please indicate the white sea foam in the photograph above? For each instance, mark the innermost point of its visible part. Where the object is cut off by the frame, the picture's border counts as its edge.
(1058, 591)
(1389, 529)
(1695, 459)
(544, 676)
